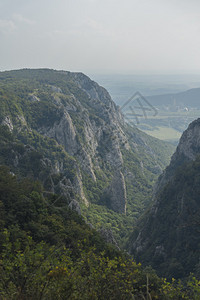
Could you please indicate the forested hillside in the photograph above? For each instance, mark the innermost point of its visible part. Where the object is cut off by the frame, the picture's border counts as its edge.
(65, 130)
(47, 251)
(70, 165)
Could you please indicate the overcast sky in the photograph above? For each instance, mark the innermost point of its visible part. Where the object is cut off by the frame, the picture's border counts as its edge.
(101, 36)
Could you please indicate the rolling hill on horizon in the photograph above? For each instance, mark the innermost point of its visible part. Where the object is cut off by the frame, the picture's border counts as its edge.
(189, 98)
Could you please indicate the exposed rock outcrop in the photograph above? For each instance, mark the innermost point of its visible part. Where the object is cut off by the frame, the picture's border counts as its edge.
(34, 98)
(108, 236)
(168, 234)
(187, 150)
(7, 122)
(63, 132)
(74, 205)
(117, 193)
(91, 142)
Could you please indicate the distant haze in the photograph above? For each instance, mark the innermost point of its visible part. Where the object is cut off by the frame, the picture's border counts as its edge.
(122, 87)
(101, 36)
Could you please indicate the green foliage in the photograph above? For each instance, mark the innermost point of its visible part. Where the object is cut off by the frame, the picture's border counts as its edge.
(41, 272)
(23, 205)
(35, 101)
(103, 217)
(160, 149)
(37, 218)
(48, 252)
(31, 155)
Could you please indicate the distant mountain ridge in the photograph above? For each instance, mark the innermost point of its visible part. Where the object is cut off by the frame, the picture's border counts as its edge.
(189, 98)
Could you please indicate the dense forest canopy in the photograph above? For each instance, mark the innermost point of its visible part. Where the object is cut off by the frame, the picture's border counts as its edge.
(47, 251)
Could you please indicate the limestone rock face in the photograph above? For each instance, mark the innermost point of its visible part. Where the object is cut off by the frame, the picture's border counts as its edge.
(74, 116)
(63, 132)
(74, 205)
(78, 186)
(189, 145)
(103, 132)
(7, 122)
(187, 150)
(117, 193)
(93, 90)
(108, 237)
(34, 98)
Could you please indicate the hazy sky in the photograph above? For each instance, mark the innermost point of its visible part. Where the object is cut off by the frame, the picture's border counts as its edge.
(101, 36)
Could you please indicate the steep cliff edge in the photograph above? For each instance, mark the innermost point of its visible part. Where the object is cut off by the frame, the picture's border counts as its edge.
(187, 150)
(66, 131)
(168, 234)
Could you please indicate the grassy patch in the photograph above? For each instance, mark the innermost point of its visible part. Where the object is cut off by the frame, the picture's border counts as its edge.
(164, 133)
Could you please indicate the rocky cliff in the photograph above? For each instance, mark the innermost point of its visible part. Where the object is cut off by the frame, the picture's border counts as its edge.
(168, 235)
(187, 150)
(65, 130)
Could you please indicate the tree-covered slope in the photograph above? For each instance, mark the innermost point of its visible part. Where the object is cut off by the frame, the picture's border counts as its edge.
(48, 252)
(66, 131)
